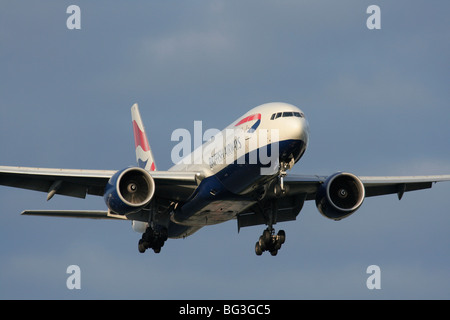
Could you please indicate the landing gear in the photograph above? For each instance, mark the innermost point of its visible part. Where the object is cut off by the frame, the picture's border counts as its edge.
(270, 242)
(153, 238)
(279, 188)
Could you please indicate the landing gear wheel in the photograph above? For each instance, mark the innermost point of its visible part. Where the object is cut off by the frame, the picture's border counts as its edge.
(157, 250)
(141, 246)
(262, 243)
(281, 236)
(153, 239)
(258, 249)
(268, 241)
(266, 236)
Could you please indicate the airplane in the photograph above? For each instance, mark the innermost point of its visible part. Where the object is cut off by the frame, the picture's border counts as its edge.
(239, 173)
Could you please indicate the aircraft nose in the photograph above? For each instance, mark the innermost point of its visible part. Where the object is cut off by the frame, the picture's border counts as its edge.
(297, 128)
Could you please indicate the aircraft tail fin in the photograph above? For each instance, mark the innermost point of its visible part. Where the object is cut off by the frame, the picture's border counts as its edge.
(144, 154)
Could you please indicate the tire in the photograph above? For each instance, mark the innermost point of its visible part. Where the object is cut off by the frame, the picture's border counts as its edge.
(282, 236)
(277, 245)
(267, 236)
(258, 249)
(141, 246)
(262, 244)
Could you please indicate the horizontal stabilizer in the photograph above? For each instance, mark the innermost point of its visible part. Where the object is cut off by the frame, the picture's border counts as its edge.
(91, 214)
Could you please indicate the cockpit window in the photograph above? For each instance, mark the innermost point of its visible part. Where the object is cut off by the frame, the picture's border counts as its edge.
(287, 114)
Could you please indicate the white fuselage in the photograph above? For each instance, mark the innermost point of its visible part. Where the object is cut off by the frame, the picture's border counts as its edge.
(210, 157)
(240, 158)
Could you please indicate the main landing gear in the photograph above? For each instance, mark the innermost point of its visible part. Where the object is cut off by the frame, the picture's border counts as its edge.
(270, 242)
(153, 238)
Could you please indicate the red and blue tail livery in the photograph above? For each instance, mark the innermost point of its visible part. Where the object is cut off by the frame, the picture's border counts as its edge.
(144, 156)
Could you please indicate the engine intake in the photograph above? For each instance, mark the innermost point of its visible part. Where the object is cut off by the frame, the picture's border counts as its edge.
(340, 196)
(129, 190)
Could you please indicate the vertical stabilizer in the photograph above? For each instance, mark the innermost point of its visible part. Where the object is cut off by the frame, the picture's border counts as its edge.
(144, 154)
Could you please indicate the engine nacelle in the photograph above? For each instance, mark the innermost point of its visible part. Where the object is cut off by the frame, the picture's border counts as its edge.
(129, 190)
(340, 196)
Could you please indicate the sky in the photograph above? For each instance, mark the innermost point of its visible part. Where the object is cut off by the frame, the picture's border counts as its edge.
(377, 102)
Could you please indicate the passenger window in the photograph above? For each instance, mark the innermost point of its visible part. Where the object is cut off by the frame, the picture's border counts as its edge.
(272, 117)
(278, 115)
(288, 114)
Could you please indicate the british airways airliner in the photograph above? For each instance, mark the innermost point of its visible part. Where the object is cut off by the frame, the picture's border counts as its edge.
(240, 173)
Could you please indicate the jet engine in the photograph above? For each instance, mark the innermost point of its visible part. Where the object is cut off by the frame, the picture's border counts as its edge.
(340, 196)
(129, 190)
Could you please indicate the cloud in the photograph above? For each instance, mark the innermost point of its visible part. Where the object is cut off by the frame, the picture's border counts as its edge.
(381, 90)
(188, 47)
(424, 165)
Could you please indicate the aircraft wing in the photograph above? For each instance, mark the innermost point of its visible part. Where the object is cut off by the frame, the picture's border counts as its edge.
(90, 214)
(301, 188)
(79, 183)
(374, 185)
(178, 186)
